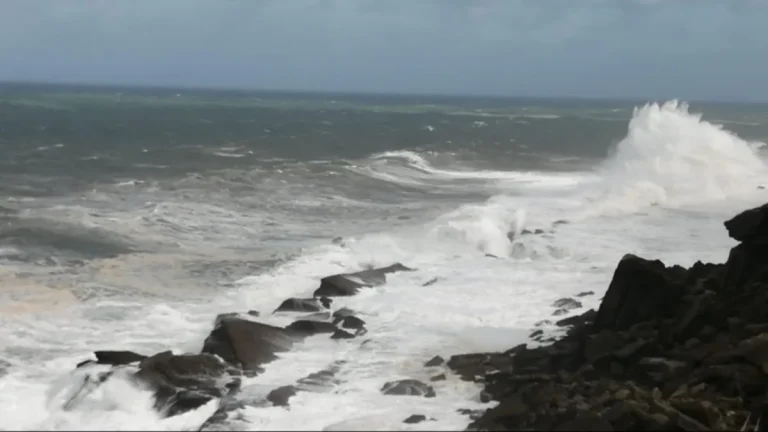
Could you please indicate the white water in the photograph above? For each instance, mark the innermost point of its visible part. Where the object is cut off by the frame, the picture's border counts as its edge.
(664, 194)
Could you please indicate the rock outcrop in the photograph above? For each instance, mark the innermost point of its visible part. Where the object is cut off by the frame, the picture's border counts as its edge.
(668, 349)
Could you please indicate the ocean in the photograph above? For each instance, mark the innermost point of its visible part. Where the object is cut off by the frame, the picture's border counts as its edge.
(130, 218)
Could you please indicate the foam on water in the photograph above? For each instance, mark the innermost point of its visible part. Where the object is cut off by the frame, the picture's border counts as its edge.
(476, 302)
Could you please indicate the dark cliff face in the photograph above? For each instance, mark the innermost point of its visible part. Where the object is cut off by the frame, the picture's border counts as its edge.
(669, 349)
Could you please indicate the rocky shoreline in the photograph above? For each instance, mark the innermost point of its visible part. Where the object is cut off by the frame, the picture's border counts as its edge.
(669, 348)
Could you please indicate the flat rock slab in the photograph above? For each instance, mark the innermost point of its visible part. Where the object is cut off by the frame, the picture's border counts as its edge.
(348, 284)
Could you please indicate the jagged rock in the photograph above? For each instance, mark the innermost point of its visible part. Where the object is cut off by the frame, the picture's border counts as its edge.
(348, 284)
(303, 328)
(566, 303)
(281, 395)
(434, 361)
(185, 382)
(440, 377)
(342, 334)
(299, 305)
(749, 226)
(639, 291)
(247, 344)
(352, 322)
(340, 314)
(408, 387)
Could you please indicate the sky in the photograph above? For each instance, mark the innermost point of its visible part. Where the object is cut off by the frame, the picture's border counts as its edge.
(649, 49)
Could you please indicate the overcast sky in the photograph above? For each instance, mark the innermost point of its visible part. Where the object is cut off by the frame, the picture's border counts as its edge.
(691, 49)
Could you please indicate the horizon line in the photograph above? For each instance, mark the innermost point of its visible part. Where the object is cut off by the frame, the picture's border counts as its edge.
(457, 95)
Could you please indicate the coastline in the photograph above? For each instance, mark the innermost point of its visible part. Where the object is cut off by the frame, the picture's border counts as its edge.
(668, 349)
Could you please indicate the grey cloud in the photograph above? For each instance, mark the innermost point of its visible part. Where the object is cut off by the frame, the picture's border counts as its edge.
(606, 48)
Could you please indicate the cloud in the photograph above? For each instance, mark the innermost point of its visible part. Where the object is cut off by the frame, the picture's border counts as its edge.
(512, 46)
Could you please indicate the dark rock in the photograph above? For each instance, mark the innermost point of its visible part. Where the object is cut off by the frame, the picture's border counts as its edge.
(117, 358)
(567, 303)
(640, 290)
(303, 328)
(281, 395)
(416, 418)
(342, 313)
(299, 305)
(247, 344)
(749, 226)
(185, 382)
(348, 284)
(536, 333)
(408, 387)
(585, 293)
(560, 312)
(440, 377)
(434, 361)
(326, 302)
(253, 313)
(586, 317)
(342, 334)
(542, 323)
(589, 422)
(352, 322)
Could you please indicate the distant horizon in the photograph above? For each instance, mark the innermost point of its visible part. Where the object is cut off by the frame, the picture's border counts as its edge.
(405, 94)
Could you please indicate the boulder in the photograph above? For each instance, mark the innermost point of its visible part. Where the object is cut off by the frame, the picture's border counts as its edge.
(416, 418)
(299, 305)
(342, 334)
(247, 344)
(304, 328)
(434, 361)
(352, 322)
(408, 387)
(116, 358)
(281, 395)
(640, 290)
(185, 382)
(749, 226)
(348, 284)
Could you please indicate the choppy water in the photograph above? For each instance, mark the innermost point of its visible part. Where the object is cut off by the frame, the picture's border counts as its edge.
(131, 221)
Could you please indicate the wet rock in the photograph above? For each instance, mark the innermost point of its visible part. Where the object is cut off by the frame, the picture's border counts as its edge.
(185, 382)
(281, 395)
(408, 387)
(640, 290)
(567, 303)
(352, 322)
(116, 358)
(342, 334)
(342, 313)
(578, 320)
(434, 361)
(440, 377)
(247, 344)
(585, 293)
(304, 328)
(416, 418)
(749, 226)
(253, 313)
(299, 305)
(348, 284)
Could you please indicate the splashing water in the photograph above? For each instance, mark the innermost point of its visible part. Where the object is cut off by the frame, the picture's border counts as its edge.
(671, 157)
